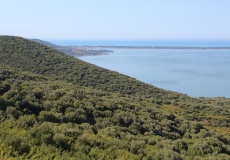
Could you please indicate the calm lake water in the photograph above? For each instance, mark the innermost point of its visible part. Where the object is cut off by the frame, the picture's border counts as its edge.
(195, 72)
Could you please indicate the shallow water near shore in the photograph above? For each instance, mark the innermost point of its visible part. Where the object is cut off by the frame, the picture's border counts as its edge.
(195, 72)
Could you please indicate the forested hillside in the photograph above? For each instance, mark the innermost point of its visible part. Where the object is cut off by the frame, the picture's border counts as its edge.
(53, 106)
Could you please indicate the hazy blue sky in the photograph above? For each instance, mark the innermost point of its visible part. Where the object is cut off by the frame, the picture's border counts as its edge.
(116, 19)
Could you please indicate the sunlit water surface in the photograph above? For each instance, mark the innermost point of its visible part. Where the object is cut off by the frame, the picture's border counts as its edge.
(196, 72)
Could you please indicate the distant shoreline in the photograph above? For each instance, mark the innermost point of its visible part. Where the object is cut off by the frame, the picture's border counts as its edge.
(96, 50)
(150, 47)
(143, 43)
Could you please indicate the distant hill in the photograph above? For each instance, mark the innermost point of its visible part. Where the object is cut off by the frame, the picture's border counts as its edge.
(45, 43)
(75, 51)
(54, 106)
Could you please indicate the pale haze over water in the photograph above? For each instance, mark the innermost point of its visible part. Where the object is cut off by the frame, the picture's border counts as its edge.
(166, 43)
(195, 72)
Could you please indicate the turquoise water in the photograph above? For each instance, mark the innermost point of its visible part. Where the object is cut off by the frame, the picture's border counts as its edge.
(195, 72)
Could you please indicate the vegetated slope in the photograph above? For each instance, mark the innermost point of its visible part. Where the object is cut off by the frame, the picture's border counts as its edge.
(51, 111)
(44, 118)
(45, 43)
(37, 58)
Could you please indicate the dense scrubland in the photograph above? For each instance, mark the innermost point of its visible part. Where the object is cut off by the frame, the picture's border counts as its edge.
(53, 106)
